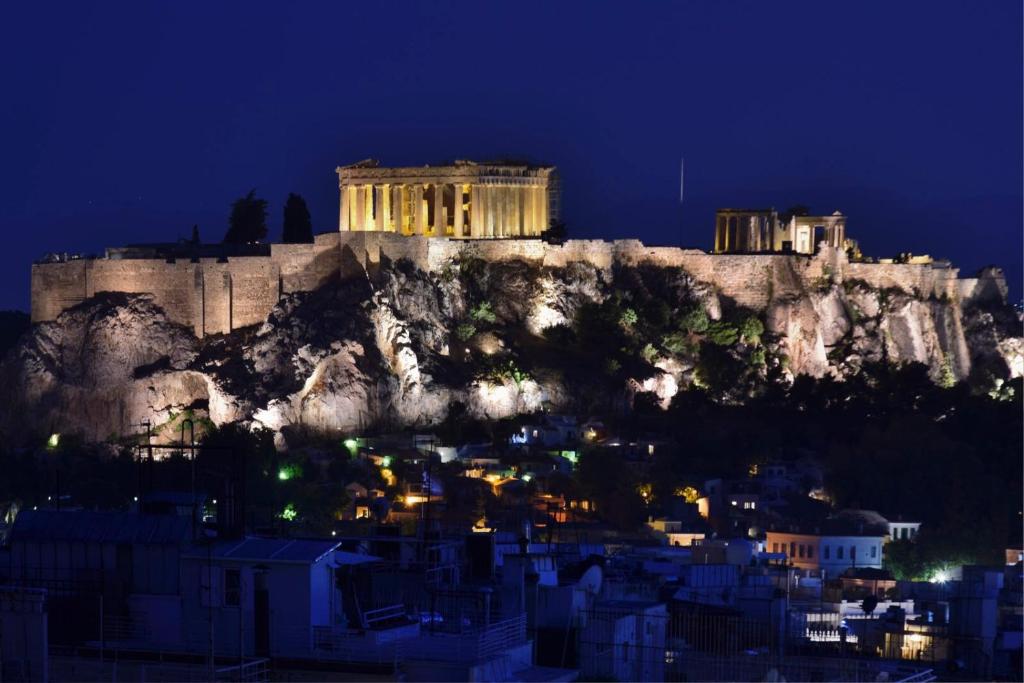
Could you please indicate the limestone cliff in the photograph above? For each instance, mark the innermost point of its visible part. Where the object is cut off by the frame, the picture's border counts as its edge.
(401, 344)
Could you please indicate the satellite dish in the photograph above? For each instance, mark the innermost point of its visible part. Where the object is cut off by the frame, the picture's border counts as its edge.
(591, 580)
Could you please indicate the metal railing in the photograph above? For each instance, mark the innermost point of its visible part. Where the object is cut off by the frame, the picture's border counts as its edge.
(470, 646)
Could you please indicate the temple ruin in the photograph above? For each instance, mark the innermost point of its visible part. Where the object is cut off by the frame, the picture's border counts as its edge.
(751, 231)
(464, 199)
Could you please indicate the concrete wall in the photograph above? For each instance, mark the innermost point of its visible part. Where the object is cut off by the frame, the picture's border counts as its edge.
(214, 296)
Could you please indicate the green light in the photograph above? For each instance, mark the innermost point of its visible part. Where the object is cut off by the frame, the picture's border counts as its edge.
(283, 474)
(351, 444)
(289, 513)
(53, 441)
(385, 462)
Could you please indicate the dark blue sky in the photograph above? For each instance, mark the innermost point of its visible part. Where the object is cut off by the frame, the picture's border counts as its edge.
(130, 122)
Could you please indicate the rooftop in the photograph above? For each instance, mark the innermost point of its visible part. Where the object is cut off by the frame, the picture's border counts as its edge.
(99, 527)
(301, 551)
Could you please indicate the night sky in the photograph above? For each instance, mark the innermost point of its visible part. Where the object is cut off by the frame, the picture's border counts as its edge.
(132, 122)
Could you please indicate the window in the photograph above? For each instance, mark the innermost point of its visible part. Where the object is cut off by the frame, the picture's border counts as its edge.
(828, 553)
(775, 547)
(232, 587)
(853, 552)
(874, 551)
(792, 549)
(839, 552)
(800, 549)
(810, 552)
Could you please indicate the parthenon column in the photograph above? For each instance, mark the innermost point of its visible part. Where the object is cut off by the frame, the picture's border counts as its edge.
(527, 210)
(396, 204)
(457, 208)
(517, 202)
(359, 223)
(488, 208)
(417, 207)
(542, 192)
(501, 224)
(440, 224)
(474, 211)
(378, 204)
(343, 220)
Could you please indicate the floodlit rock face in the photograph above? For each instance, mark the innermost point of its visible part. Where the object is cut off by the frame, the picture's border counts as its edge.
(398, 345)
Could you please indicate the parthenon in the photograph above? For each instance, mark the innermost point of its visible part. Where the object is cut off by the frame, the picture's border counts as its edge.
(461, 200)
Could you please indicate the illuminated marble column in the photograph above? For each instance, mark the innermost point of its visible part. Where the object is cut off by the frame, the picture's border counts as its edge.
(501, 224)
(343, 219)
(517, 210)
(538, 208)
(396, 204)
(457, 205)
(476, 212)
(417, 207)
(378, 204)
(493, 210)
(385, 207)
(440, 223)
(360, 217)
(543, 213)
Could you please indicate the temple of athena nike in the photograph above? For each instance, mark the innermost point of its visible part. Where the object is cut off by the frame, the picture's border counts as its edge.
(462, 200)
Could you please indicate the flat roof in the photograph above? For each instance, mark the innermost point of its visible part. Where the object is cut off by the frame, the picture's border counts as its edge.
(299, 551)
(100, 527)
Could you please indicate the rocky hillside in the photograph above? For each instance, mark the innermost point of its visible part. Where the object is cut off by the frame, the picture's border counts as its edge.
(402, 347)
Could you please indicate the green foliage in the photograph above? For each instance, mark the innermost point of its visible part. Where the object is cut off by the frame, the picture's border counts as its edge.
(718, 370)
(694, 320)
(677, 343)
(465, 331)
(649, 353)
(612, 366)
(629, 318)
(751, 330)
(505, 370)
(947, 380)
(248, 221)
(298, 225)
(483, 313)
(722, 333)
(757, 358)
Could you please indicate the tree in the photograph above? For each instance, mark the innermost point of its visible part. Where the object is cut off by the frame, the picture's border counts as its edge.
(556, 233)
(868, 604)
(248, 221)
(298, 226)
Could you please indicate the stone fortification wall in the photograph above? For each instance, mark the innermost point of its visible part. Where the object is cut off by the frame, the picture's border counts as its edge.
(220, 295)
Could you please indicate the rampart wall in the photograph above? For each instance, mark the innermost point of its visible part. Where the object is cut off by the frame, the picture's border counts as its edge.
(214, 296)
